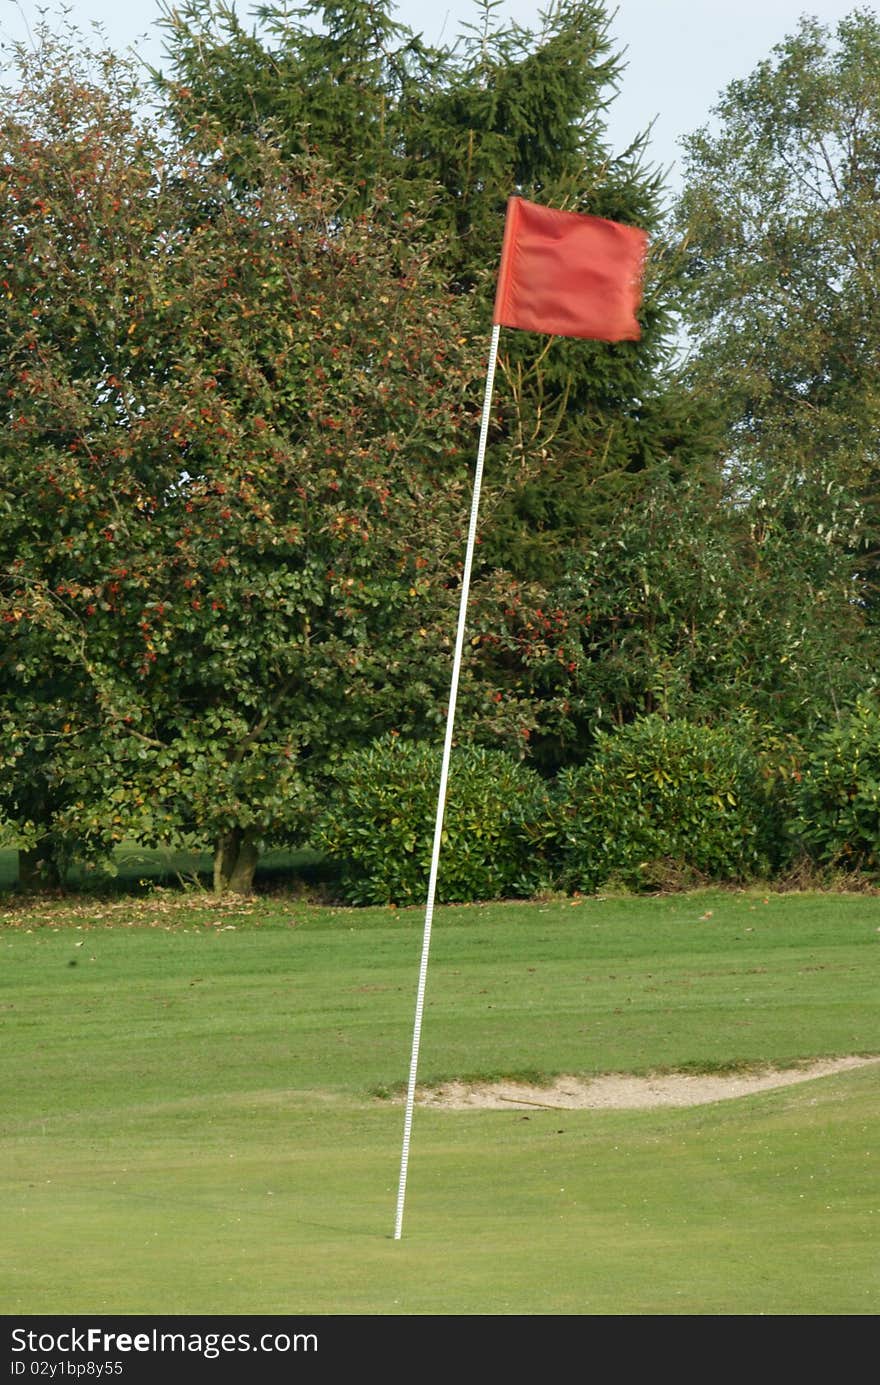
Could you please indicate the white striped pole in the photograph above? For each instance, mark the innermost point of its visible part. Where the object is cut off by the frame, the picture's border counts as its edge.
(444, 776)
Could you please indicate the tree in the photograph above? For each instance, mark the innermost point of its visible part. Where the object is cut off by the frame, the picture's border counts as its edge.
(240, 396)
(460, 126)
(781, 213)
(698, 609)
(583, 427)
(235, 435)
(452, 132)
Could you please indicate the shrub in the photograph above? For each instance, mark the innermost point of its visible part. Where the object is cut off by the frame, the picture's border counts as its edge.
(837, 818)
(379, 825)
(661, 804)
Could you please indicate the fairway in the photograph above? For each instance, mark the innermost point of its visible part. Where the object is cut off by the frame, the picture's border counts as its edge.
(202, 1108)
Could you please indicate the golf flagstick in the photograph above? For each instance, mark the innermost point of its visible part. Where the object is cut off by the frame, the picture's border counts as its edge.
(444, 777)
(563, 274)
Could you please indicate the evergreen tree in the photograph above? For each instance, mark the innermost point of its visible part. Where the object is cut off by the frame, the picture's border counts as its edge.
(454, 131)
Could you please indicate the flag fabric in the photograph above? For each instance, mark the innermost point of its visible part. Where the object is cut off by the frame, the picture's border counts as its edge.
(569, 275)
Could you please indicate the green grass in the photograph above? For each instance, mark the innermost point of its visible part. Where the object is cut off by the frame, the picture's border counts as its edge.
(191, 1120)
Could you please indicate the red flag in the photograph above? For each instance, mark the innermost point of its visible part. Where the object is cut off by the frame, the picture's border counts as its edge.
(569, 275)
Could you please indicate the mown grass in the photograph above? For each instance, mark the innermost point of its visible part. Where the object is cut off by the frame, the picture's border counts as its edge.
(202, 1114)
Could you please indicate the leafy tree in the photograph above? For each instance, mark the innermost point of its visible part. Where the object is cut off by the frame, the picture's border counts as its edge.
(453, 131)
(235, 434)
(693, 607)
(583, 427)
(781, 214)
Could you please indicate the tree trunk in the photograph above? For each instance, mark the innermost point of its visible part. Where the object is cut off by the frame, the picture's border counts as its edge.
(235, 861)
(37, 870)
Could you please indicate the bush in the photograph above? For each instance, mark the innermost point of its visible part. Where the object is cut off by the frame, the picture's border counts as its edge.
(663, 804)
(837, 818)
(379, 825)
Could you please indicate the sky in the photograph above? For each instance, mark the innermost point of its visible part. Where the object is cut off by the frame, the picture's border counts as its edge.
(679, 54)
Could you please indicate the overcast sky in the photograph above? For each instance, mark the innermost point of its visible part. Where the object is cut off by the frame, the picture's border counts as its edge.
(680, 54)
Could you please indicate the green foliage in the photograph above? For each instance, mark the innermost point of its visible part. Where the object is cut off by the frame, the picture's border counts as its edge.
(660, 803)
(695, 607)
(780, 214)
(451, 132)
(241, 406)
(379, 824)
(232, 451)
(461, 126)
(241, 359)
(837, 802)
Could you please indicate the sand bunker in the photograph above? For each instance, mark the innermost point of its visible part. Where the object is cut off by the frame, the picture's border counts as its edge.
(620, 1092)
